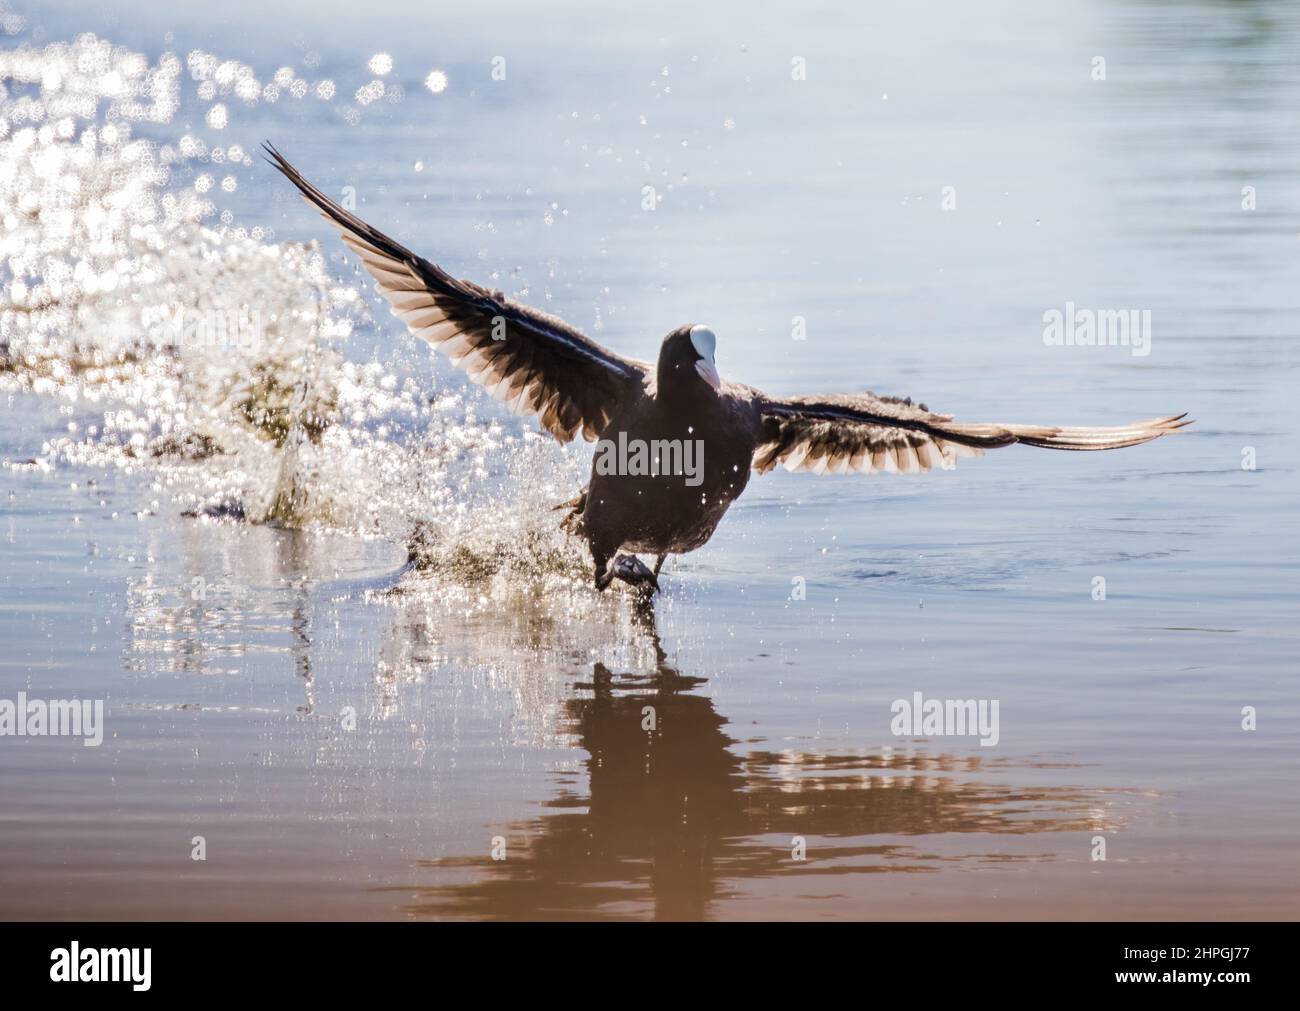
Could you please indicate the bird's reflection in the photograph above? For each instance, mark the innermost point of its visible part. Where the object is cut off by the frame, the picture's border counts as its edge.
(679, 814)
(671, 817)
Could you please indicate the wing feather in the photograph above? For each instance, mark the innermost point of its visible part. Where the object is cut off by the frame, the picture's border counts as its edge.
(865, 433)
(534, 361)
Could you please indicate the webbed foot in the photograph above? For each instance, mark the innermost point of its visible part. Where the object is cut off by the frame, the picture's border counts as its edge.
(634, 572)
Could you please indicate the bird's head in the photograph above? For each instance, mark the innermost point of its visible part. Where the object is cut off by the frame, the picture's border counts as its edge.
(687, 357)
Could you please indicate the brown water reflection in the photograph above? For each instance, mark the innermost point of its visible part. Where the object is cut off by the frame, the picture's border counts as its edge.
(238, 596)
(682, 815)
(674, 820)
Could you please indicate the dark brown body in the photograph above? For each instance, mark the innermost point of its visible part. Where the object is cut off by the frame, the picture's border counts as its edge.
(664, 514)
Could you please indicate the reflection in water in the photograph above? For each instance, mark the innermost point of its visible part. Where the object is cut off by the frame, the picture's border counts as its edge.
(238, 593)
(678, 814)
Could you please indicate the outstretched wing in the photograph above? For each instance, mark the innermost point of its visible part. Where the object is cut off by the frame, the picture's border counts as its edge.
(862, 432)
(535, 362)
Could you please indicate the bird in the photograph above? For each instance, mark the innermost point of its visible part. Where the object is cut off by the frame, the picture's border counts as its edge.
(676, 443)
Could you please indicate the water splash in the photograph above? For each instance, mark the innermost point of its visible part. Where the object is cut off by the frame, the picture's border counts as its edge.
(214, 358)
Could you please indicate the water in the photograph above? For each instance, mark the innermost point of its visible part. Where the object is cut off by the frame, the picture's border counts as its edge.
(214, 539)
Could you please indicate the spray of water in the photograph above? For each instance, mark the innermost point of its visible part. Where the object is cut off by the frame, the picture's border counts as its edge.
(213, 358)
